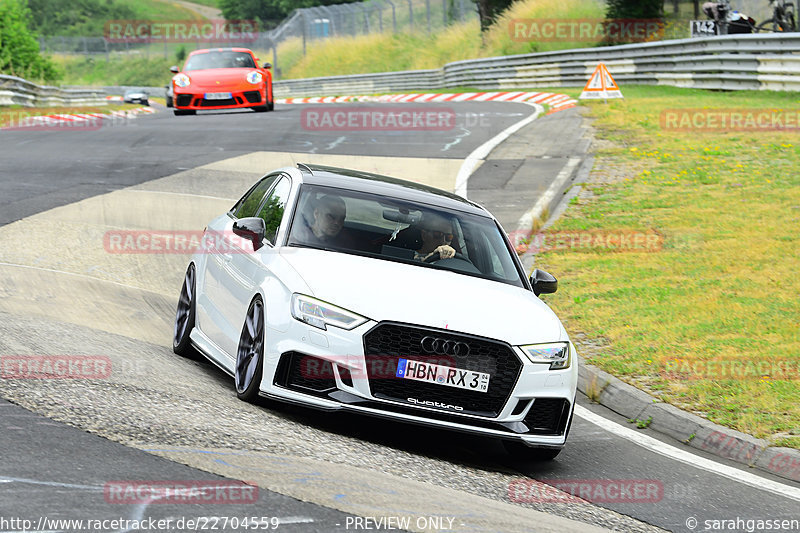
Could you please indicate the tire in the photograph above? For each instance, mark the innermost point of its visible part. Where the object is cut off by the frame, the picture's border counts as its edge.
(271, 106)
(521, 451)
(169, 101)
(185, 315)
(250, 353)
(767, 26)
(789, 23)
(261, 108)
(179, 112)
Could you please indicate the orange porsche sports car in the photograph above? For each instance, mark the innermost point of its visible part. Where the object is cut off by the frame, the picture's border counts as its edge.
(222, 78)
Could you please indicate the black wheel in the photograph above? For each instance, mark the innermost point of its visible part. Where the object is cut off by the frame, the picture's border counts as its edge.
(521, 451)
(169, 101)
(250, 355)
(184, 316)
(179, 112)
(770, 25)
(789, 23)
(260, 109)
(271, 106)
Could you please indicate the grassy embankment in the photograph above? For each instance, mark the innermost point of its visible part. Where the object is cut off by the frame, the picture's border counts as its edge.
(369, 53)
(724, 287)
(144, 66)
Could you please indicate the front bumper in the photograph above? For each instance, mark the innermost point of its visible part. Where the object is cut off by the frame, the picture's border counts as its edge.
(240, 98)
(329, 370)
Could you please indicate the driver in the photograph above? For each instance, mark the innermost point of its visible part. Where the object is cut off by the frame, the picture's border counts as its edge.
(437, 234)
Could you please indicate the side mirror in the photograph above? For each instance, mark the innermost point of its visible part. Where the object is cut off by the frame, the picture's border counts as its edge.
(252, 228)
(267, 65)
(174, 69)
(543, 282)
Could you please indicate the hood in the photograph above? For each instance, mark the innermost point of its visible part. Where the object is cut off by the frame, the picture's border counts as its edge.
(208, 78)
(385, 290)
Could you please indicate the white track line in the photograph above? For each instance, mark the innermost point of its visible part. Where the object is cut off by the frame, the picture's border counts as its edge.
(526, 221)
(655, 445)
(472, 160)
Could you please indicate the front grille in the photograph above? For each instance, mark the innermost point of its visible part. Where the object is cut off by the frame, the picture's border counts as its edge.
(387, 342)
(548, 416)
(306, 374)
(218, 103)
(254, 97)
(183, 100)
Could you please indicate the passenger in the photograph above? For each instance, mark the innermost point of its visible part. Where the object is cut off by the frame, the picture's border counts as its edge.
(436, 234)
(327, 222)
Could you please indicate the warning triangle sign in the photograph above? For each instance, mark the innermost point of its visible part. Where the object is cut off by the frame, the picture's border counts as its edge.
(601, 85)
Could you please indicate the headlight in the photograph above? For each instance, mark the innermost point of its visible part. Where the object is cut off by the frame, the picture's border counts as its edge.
(254, 77)
(319, 314)
(181, 80)
(557, 354)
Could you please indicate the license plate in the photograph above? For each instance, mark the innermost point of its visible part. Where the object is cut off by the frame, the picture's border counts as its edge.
(443, 375)
(218, 96)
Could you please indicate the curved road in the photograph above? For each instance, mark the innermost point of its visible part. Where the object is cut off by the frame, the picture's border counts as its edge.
(63, 293)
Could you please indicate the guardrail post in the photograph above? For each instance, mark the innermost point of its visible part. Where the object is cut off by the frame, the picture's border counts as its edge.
(428, 13)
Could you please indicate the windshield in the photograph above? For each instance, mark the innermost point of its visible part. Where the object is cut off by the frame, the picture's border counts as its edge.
(227, 59)
(396, 230)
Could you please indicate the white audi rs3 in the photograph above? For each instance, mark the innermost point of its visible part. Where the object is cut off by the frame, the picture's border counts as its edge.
(344, 290)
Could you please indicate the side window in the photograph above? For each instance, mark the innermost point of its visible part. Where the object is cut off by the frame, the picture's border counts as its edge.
(248, 204)
(272, 209)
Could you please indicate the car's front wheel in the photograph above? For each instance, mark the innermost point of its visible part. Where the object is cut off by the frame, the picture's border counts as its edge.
(250, 354)
(184, 316)
(179, 112)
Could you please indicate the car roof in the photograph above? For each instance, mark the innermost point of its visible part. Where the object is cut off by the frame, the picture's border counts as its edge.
(206, 50)
(358, 180)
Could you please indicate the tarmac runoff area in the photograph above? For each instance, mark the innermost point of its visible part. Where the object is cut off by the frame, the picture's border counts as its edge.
(161, 403)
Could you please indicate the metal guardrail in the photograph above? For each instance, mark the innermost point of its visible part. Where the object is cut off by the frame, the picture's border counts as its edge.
(16, 91)
(730, 62)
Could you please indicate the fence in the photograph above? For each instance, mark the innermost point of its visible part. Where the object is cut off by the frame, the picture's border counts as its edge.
(308, 24)
(16, 91)
(732, 62)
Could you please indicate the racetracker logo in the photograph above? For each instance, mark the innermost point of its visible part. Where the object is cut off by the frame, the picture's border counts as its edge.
(730, 119)
(401, 118)
(175, 242)
(599, 240)
(181, 31)
(586, 490)
(358, 367)
(55, 367)
(23, 121)
(191, 492)
(586, 30)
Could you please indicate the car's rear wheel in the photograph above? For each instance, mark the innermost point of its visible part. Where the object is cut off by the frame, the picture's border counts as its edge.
(184, 316)
(179, 112)
(521, 451)
(250, 354)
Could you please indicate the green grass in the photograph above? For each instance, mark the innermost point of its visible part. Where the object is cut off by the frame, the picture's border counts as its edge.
(162, 10)
(116, 70)
(723, 287)
(418, 50)
(209, 3)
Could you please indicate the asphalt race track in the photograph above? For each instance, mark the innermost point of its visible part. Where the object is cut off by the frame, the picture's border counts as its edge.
(157, 416)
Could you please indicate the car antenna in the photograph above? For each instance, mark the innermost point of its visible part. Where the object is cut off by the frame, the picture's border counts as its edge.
(303, 166)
